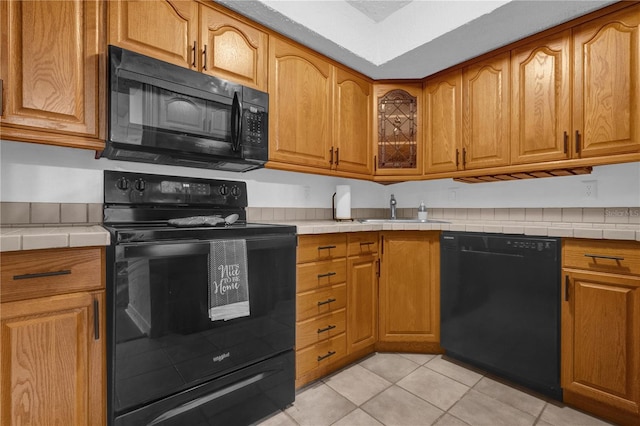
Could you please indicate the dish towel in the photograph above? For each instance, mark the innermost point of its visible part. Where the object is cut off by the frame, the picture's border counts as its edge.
(228, 280)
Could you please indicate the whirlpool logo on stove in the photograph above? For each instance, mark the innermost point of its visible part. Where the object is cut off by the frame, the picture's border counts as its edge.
(221, 357)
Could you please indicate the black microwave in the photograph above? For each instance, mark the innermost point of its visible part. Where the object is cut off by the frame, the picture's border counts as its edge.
(165, 114)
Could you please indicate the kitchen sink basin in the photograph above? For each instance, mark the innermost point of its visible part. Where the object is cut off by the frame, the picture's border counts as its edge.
(400, 221)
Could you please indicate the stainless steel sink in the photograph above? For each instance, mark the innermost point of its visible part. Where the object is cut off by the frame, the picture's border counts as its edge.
(400, 221)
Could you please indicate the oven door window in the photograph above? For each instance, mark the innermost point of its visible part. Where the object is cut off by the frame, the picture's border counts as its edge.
(164, 340)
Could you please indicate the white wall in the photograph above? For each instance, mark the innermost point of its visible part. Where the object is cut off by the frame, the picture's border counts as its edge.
(42, 173)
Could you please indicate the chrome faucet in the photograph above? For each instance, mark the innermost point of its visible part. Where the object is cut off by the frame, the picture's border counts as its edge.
(393, 203)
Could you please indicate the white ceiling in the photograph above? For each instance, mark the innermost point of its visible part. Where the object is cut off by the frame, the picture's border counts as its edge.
(408, 39)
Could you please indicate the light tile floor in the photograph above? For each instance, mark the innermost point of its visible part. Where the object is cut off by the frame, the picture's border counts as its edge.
(417, 390)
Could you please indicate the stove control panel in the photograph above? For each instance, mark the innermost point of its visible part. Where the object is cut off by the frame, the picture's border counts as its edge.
(139, 188)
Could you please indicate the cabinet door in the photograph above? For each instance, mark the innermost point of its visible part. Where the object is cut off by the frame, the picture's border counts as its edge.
(52, 361)
(51, 71)
(362, 302)
(352, 143)
(232, 49)
(606, 101)
(163, 29)
(443, 106)
(300, 106)
(601, 338)
(486, 113)
(398, 138)
(409, 300)
(540, 102)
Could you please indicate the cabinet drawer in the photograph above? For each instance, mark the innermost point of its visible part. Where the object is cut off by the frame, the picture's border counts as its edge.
(619, 257)
(321, 328)
(39, 273)
(322, 353)
(321, 247)
(321, 274)
(319, 302)
(362, 243)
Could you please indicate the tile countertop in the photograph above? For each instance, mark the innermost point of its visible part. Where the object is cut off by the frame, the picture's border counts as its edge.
(43, 237)
(564, 229)
(33, 238)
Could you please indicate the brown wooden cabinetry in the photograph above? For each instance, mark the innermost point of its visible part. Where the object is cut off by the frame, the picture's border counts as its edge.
(606, 101)
(321, 304)
(541, 100)
(443, 122)
(485, 113)
(53, 72)
(320, 114)
(362, 298)
(409, 299)
(601, 328)
(397, 129)
(52, 332)
(193, 35)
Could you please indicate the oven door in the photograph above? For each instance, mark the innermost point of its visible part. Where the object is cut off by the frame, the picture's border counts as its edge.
(162, 341)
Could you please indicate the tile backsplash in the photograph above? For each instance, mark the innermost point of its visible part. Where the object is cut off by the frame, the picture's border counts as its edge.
(61, 214)
(49, 214)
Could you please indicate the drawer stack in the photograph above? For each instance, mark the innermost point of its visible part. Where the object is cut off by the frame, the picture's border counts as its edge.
(321, 304)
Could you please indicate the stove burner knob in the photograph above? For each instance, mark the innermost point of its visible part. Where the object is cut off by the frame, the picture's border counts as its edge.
(122, 183)
(140, 185)
(235, 191)
(224, 190)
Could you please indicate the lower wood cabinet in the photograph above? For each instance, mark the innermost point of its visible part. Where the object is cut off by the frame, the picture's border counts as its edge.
(53, 344)
(601, 328)
(362, 285)
(409, 299)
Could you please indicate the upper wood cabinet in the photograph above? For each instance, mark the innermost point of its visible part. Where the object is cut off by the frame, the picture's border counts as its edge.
(443, 122)
(397, 129)
(485, 113)
(353, 116)
(541, 100)
(300, 106)
(320, 114)
(192, 35)
(52, 72)
(606, 102)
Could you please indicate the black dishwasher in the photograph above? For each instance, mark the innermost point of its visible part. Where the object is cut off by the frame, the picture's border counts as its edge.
(500, 306)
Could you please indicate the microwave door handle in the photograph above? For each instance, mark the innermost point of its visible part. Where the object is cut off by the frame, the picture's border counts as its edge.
(236, 123)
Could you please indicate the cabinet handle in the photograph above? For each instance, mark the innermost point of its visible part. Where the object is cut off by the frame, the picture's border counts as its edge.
(204, 54)
(375, 163)
(382, 244)
(566, 288)
(42, 275)
(328, 274)
(96, 319)
(337, 156)
(366, 243)
(329, 354)
(195, 52)
(578, 142)
(378, 262)
(457, 158)
(326, 247)
(566, 141)
(327, 328)
(325, 302)
(331, 154)
(464, 157)
(602, 256)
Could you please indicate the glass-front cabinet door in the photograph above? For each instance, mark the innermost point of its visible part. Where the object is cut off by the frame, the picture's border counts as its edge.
(398, 150)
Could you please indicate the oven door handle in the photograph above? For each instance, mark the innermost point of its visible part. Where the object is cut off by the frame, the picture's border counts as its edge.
(196, 247)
